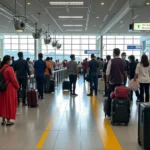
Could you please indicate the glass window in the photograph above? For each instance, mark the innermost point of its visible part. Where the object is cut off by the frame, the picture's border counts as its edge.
(75, 37)
(84, 47)
(31, 41)
(109, 52)
(67, 37)
(30, 52)
(7, 40)
(14, 36)
(15, 41)
(67, 41)
(136, 41)
(23, 41)
(23, 36)
(92, 41)
(15, 46)
(104, 41)
(76, 52)
(67, 52)
(82, 53)
(110, 41)
(110, 37)
(84, 41)
(30, 36)
(84, 37)
(119, 41)
(75, 41)
(119, 37)
(23, 46)
(92, 37)
(110, 47)
(92, 47)
(136, 53)
(30, 46)
(45, 52)
(128, 41)
(128, 53)
(7, 36)
(67, 47)
(44, 47)
(76, 47)
(7, 46)
(128, 37)
(58, 52)
(104, 52)
(121, 47)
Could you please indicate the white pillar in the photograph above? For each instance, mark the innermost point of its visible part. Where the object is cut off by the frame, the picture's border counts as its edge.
(1, 48)
(35, 49)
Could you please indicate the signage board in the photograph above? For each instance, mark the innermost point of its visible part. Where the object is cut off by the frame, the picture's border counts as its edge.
(134, 47)
(91, 51)
(141, 26)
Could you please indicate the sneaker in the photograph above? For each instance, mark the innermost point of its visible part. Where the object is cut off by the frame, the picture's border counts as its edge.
(89, 94)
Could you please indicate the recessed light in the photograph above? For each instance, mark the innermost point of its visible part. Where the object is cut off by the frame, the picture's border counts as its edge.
(94, 25)
(74, 30)
(102, 3)
(29, 3)
(97, 17)
(66, 3)
(72, 25)
(70, 17)
(147, 4)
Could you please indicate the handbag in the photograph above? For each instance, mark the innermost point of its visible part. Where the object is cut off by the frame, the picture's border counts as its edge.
(134, 85)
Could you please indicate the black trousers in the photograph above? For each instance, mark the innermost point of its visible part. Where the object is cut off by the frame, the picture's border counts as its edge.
(106, 90)
(73, 80)
(40, 85)
(111, 89)
(22, 80)
(137, 94)
(144, 89)
(84, 73)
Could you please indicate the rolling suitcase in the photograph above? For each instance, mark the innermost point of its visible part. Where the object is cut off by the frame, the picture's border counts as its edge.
(32, 98)
(47, 84)
(101, 84)
(120, 111)
(52, 86)
(66, 85)
(144, 125)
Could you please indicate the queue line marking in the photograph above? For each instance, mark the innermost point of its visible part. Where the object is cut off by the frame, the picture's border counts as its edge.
(109, 140)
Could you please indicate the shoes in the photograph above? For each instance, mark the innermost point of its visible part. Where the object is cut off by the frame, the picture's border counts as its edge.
(74, 94)
(89, 94)
(24, 104)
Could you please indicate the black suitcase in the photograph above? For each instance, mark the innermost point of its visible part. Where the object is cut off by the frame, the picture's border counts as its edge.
(120, 111)
(66, 85)
(144, 125)
(47, 84)
(52, 86)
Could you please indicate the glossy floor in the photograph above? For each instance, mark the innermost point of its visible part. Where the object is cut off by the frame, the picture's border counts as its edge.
(68, 123)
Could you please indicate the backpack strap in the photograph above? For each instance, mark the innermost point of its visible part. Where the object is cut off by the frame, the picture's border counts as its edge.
(4, 69)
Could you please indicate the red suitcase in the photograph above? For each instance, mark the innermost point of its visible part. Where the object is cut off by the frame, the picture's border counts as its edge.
(32, 98)
(121, 92)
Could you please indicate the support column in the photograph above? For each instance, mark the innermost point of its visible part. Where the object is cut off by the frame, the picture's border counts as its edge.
(1, 48)
(99, 45)
(35, 49)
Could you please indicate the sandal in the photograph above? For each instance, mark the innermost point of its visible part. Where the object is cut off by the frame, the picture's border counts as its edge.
(3, 123)
(9, 123)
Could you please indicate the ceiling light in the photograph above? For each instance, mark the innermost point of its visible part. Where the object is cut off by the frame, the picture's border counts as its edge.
(97, 17)
(71, 25)
(29, 3)
(102, 3)
(147, 4)
(94, 25)
(121, 21)
(66, 3)
(74, 30)
(70, 17)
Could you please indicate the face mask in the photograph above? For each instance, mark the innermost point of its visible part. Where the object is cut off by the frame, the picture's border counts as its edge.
(10, 63)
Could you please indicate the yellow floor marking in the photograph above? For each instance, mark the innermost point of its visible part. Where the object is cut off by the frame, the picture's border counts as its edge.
(108, 137)
(45, 134)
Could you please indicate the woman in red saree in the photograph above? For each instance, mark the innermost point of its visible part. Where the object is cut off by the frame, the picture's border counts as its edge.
(8, 98)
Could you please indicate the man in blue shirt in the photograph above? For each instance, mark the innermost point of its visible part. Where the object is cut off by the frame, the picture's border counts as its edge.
(40, 67)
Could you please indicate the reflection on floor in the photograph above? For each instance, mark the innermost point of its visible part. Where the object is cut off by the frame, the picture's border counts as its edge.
(69, 123)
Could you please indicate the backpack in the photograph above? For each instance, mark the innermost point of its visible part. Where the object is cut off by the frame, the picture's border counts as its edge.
(3, 85)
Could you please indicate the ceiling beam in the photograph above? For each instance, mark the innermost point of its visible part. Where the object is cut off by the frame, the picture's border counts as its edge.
(136, 3)
(121, 13)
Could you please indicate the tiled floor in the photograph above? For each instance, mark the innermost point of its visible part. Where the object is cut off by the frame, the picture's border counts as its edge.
(66, 123)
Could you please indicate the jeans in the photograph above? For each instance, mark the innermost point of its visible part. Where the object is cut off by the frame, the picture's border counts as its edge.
(73, 80)
(111, 89)
(93, 80)
(144, 88)
(40, 85)
(84, 73)
(22, 80)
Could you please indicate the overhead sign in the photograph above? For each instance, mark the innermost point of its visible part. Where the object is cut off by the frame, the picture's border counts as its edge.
(91, 52)
(134, 47)
(141, 26)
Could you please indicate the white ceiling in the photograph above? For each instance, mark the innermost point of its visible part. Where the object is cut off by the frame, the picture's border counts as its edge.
(49, 15)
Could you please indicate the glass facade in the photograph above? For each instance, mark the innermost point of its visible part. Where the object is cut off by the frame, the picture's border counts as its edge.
(121, 42)
(70, 45)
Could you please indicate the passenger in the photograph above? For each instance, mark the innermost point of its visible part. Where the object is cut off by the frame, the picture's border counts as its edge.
(22, 72)
(79, 67)
(52, 63)
(143, 75)
(8, 98)
(100, 68)
(108, 58)
(48, 73)
(40, 67)
(115, 74)
(123, 55)
(93, 75)
(132, 68)
(85, 67)
(73, 73)
(137, 60)
(30, 66)
(13, 61)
